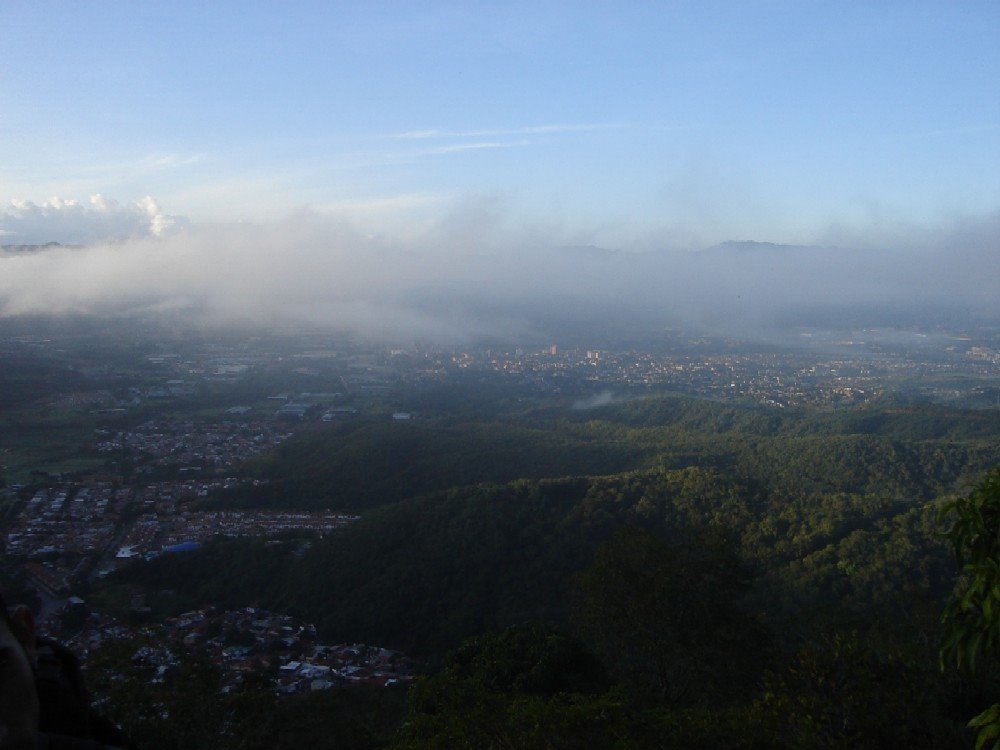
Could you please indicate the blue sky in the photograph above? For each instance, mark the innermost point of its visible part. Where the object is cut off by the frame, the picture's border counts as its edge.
(623, 124)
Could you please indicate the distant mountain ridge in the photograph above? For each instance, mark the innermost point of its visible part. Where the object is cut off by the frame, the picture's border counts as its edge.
(731, 248)
(35, 248)
(744, 247)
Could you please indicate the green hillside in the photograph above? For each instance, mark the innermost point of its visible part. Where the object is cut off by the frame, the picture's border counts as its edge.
(722, 564)
(921, 450)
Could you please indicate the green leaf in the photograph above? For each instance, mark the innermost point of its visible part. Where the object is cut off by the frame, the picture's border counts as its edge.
(988, 723)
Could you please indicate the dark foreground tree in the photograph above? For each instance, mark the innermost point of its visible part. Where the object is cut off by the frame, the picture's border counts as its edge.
(529, 686)
(972, 617)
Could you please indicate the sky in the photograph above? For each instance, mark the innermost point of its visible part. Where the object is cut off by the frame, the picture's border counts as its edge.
(489, 128)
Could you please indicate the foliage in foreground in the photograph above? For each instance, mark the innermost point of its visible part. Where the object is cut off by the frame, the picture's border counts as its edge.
(972, 617)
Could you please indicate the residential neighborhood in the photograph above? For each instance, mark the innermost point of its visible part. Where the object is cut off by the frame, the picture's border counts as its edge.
(244, 641)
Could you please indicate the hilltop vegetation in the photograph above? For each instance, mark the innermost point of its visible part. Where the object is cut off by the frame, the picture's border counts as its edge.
(719, 565)
(918, 451)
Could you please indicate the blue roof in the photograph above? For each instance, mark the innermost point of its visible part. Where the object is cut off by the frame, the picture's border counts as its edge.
(182, 547)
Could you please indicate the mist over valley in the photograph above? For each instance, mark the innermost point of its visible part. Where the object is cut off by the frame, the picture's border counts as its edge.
(537, 376)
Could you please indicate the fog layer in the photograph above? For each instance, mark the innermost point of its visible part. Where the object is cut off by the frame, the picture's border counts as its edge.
(465, 277)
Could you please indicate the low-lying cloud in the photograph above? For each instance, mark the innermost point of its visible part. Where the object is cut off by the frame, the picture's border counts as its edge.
(604, 398)
(477, 273)
(71, 222)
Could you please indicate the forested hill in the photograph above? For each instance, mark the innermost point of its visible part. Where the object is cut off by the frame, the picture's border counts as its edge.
(917, 451)
(821, 514)
(727, 568)
(425, 573)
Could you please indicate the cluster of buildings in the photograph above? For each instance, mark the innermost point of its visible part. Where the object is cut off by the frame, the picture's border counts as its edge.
(241, 642)
(823, 370)
(772, 378)
(70, 531)
(197, 447)
(65, 519)
(152, 534)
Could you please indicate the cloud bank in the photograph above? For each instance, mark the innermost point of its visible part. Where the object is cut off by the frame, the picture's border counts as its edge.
(476, 273)
(70, 222)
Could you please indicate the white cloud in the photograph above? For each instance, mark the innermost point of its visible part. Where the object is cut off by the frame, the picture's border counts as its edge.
(472, 146)
(486, 138)
(71, 222)
(475, 270)
(496, 132)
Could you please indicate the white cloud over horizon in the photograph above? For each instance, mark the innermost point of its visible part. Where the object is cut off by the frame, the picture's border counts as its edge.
(72, 222)
(474, 270)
